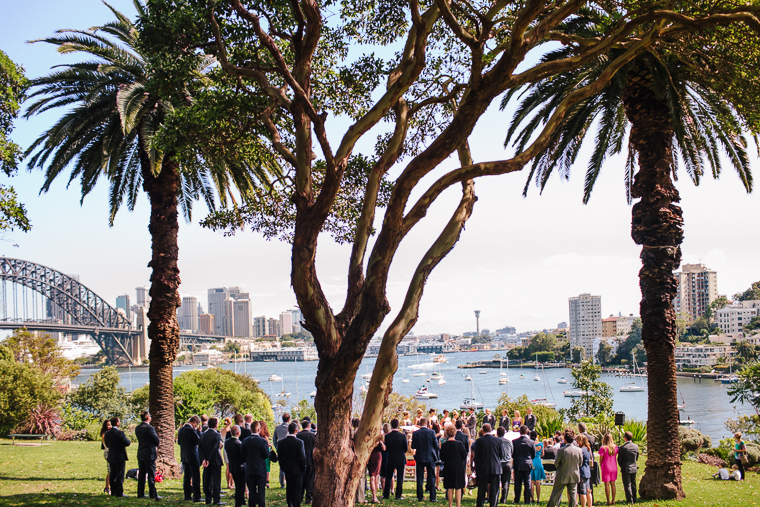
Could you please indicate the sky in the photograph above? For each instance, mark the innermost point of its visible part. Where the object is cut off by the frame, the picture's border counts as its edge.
(518, 260)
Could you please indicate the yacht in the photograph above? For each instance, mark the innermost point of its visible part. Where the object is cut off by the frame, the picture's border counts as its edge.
(536, 378)
(503, 381)
(423, 394)
(274, 378)
(467, 377)
(470, 403)
(313, 394)
(440, 358)
(441, 381)
(404, 380)
(562, 380)
(483, 372)
(284, 393)
(574, 393)
(543, 402)
(633, 387)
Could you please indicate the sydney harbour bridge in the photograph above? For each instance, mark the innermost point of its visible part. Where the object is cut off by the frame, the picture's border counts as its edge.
(40, 298)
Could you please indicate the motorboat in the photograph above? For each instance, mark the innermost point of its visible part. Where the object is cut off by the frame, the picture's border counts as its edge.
(418, 374)
(423, 394)
(483, 372)
(313, 394)
(503, 381)
(436, 375)
(687, 423)
(729, 379)
(467, 377)
(404, 380)
(543, 402)
(440, 358)
(575, 393)
(536, 378)
(469, 403)
(631, 387)
(274, 378)
(562, 380)
(367, 376)
(522, 376)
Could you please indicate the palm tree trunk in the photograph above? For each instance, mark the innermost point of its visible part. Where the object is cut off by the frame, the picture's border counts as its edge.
(657, 225)
(163, 330)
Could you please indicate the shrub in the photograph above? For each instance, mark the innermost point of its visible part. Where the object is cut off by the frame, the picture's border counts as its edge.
(546, 426)
(522, 403)
(23, 387)
(41, 420)
(639, 431)
(102, 395)
(693, 440)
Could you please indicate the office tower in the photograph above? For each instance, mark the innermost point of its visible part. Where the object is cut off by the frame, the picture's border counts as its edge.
(200, 308)
(297, 318)
(697, 288)
(222, 310)
(143, 296)
(585, 322)
(241, 318)
(206, 324)
(273, 327)
(259, 326)
(123, 303)
(286, 322)
(187, 314)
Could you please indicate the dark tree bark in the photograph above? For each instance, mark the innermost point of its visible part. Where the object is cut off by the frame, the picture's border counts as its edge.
(163, 330)
(657, 225)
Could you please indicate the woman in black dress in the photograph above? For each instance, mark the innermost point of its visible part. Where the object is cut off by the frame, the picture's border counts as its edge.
(453, 455)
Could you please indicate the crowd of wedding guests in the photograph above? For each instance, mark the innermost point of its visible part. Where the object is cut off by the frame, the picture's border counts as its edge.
(450, 448)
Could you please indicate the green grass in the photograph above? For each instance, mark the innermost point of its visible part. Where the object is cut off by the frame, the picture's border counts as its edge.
(72, 473)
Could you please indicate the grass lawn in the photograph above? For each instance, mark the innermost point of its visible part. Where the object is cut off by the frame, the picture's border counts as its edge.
(72, 473)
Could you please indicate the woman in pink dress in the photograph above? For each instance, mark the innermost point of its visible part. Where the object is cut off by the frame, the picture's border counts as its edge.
(608, 455)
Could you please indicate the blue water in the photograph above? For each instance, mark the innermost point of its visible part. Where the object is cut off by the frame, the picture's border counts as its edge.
(706, 403)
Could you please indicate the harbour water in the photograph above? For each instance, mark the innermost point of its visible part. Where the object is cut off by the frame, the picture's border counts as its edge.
(706, 403)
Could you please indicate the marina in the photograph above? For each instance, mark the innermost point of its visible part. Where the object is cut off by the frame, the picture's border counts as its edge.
(703, 401)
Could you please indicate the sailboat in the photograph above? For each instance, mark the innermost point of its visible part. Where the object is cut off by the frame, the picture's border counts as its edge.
(419, 372)
(471, 402)
(536, 378)
(283, 392)
(632, 387)
(503, 377)
(544, 402)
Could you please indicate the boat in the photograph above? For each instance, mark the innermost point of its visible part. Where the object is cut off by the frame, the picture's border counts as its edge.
(313, 394)
(440, 358)
(418, 374)
(467, 377)
(274, 378)
(729, 379)
(562, 380)
(363, 388)
(547, 390)
(543, 402)
(270, 360)
(471, 402)
(536, 378)
(483, 372)
(441, 381)
(574, 393)
(633, 387)
(436, 375)
(367, 376)
(503, 376)
(423, 394)
(522, 376)
(503, 381)
(404, 380)
(688, 423)
(284, 393)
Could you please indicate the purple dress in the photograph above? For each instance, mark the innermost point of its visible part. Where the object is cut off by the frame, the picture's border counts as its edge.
(609, 464)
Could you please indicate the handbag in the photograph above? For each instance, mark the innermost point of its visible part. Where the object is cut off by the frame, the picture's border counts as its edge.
(744, 459)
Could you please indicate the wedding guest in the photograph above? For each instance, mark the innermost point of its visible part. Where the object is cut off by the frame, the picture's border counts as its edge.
(607, 454)
(628, 455)
(103, 430)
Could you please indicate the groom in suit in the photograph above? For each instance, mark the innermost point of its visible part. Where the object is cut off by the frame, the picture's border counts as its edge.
(488, 454)
(426, 452)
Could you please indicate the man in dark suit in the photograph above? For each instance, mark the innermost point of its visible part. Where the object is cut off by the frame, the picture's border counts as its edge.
(204, 423)
(211, 461)
(309, 439)
(396, 445)
(280, 432)
(255, 452)
(489, 419)
(117, 442)
(292, 456)
(426, 451)
(591, 438)
(523, 452)
(234, 448)
(505, 421)
(147, 442)
(244, 432)
(506, 462)
(462, 437)
(530, 419)
(628, 454)
(488, 454)
(188, 438)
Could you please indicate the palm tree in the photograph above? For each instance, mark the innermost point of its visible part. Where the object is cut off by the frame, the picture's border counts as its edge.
(109, 131)
(670, 110)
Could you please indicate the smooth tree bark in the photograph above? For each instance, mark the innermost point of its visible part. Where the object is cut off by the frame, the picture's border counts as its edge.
(163, 329)
(657, 225)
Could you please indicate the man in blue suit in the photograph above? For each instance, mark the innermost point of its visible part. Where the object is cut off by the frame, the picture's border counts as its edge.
(188, 438)
(255, 453)
(426, 453)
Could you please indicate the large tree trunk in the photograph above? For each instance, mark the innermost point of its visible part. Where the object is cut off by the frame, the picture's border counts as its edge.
(657, 225)
(163, 330)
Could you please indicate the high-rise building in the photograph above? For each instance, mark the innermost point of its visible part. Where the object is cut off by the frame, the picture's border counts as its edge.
(123, 303)
(697, 288)
(206, 324)
(286, 322)
(241, 318)
(143, 296)
(273, 327)
(585, 322)
(259, 326)
(297, 318)
(222, 309)
(187, 314)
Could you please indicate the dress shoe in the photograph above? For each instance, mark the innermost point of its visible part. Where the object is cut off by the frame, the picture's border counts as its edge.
(157, 498)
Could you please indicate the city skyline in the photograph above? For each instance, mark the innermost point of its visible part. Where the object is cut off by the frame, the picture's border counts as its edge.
(517, 261)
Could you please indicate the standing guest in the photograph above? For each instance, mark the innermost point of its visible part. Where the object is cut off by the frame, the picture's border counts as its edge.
(591, 438)
(517, 421)
(374, 465)
(103, 430)
(446, 418)
(247, 420)
(257, 453)
(530, 419)
(426, 449)
(384, 460)
(505, 421)
(292, 455)
(396, 445)
(538, 473)
(607, 454)
(628, 455)
(280, 432)
(309, 439)
(454, 416)
(204, 423)
(506, 462)
(462, 437)
(234, 448)
(454, 456)
(147, 443)
(225, 432)
(420, 415)
(472, 422)
(740, 449)
(568, 463)
(264, 433)
(240, 421)
(584, 489)
(432, 417)
(523, 452)
(211, 461)
(550, 452)
(116, 442)
(488, 454)
(489, 419)
(405, 420)
(188, 439)
(594, 480)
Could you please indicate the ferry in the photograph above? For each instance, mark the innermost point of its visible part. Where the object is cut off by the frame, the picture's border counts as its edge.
(440, 358)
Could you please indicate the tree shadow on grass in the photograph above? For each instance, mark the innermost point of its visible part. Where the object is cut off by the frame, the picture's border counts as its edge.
(4, 477)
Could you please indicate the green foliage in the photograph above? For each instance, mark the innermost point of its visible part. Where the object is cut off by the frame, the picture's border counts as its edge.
(747, 389)
(627, 346)
(745, 351)
(304, 409)
(516, 353)
(577, 354)
(23, 387)
(232, 347)
(76, 419)
(545, 357)
(288, 344)
(748, 425)
(213, 391)
(397, 403)
(543, 414)
(542, 342)
(43, 352)
(692, 440)
(604, 354)
(639, 430)
(750, 294)
(546, 426)
(102, 396)
(716, 304)
(41, 420)
(481, 339)
(726, 451)
(597, 399)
